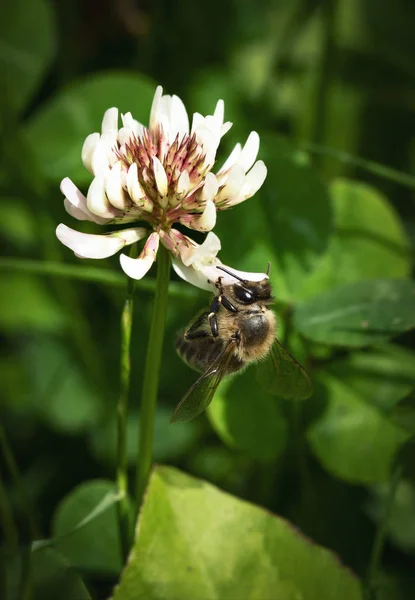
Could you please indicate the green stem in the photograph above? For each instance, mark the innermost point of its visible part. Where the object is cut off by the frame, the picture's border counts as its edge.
(151, 373)
(122, 416)
(379, 541)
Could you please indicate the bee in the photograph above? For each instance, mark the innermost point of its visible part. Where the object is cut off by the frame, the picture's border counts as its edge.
(238, 329)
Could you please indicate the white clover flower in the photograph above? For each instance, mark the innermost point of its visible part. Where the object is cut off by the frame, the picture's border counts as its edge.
(160, 175)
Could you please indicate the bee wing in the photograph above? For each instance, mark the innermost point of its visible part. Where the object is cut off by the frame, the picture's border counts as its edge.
(281, 375)
(201, 393)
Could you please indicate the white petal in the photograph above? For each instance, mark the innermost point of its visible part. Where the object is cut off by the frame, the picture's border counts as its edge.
(197, 278)
(114, 189)
(133, 185)
(233, 183)
(183, 183)
(160, 177)
(205, 252)
(219, 112)
(97, 200)
(100, 159)
(245, 275)
(207, 220)
(77, 200)
(110, 121)
(249, 151)
(252, 183)
(197, 121)
(154, 107)
(130, 236)
(210, 187)
(179, 121)
(225, 128)
(88, 245)
(88, 150)
(136, 268)
(231, 160)
(74, 211)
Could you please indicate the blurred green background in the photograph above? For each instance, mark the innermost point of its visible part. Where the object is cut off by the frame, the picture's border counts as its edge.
(323, 82)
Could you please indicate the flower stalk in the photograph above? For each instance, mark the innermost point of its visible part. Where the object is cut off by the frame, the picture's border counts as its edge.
(151, 374)
(122, 417)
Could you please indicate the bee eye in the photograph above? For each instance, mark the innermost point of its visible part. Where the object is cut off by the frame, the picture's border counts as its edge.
(243, 295)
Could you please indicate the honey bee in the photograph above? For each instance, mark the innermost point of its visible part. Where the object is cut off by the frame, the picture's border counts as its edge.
(238, 329)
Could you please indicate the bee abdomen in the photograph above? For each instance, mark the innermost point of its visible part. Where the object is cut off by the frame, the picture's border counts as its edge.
(198, 354)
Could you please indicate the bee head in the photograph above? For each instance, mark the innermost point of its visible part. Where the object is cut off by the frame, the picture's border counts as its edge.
(249, 292)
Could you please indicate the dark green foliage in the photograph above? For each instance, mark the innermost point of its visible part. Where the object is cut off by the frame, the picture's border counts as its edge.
(339, 233)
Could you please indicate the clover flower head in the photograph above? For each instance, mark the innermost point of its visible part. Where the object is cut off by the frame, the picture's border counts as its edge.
(155, 177)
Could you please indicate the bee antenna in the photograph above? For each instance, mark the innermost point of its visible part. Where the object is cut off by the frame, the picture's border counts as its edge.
(231, 274)
(268, 269)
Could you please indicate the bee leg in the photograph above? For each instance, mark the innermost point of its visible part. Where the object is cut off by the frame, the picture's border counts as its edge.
(196, 329)
(228, 305)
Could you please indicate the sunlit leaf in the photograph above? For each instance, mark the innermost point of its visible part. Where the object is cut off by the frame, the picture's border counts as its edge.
(26, 50)
(369, 240)
(358, 314)
(76, 111)
(94, 547)
(194, 541)
(248, 419)
(382, 376)
(351, 439)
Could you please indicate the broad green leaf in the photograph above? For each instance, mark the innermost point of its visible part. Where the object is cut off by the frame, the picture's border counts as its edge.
(358, 314)
(27, 45)
(383, 376)
(59, 392)
(369, 240)
(248, 419)
(53, 578)
(351, 439)
(297, 210)
(95, 547)
(25, 305)
(76, 111)
(194, 541)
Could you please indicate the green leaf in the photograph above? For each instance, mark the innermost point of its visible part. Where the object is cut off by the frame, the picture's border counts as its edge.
(194, 541)
(25, 304)
(76, 111)
(369, 240)
(382, 376)
(297, 210)
(351, 439)
(358, 314)
(94, 547)
(247, 419)
(52, 578)
(27, 35)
